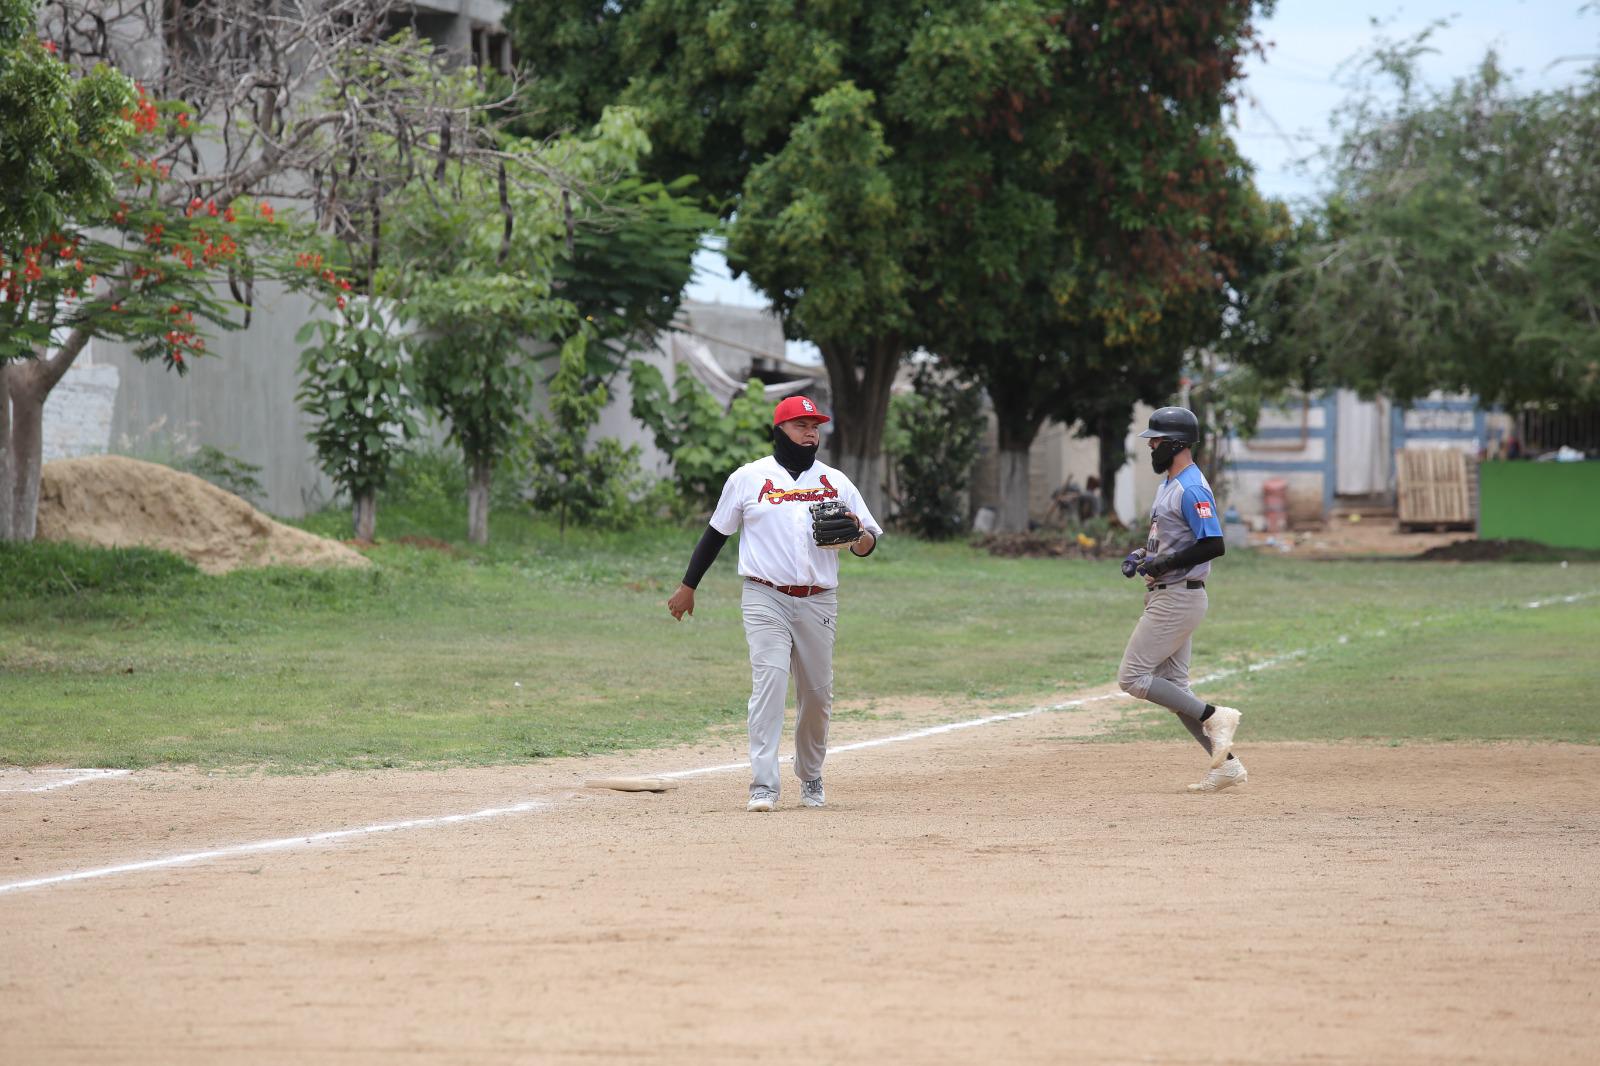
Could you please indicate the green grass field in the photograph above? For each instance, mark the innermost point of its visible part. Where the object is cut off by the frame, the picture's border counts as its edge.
(540, 647)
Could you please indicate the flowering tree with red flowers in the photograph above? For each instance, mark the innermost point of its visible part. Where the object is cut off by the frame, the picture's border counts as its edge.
(135, 270)
(91, 242)
(128, 217)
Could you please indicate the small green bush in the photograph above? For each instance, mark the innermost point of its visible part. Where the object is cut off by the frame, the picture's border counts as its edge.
(932, 438)
(228, 473)
(426, 476)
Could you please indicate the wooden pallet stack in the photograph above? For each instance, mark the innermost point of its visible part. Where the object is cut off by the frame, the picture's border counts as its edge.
(1436, 489)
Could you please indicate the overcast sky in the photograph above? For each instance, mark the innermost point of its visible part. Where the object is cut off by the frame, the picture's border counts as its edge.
(1290, 95)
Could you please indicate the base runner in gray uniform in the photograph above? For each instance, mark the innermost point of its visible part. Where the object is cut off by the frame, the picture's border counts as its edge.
(790, 599)
(1185, 536)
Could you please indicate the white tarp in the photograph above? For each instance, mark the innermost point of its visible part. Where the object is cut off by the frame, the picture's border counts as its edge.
(1364, 465)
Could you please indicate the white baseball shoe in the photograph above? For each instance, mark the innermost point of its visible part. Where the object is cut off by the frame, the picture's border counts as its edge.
(1219, 729)
(811, 793)
(1230, 773)
(762, 801)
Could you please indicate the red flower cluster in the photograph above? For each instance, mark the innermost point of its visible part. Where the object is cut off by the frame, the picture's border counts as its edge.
(143, 113)
(312, 262)
(181, 336)
(30, 268)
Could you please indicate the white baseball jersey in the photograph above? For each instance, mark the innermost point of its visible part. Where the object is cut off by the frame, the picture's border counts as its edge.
(771, 511)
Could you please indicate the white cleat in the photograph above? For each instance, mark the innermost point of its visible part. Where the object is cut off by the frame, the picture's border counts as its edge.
(1219, 729)
(762, 802)
(811, 793)
(1230, 773)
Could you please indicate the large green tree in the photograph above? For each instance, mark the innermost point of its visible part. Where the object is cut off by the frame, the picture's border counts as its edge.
(829, 130)
(983, 176)
(1110, 241)
(1459, 248)
(498, 276)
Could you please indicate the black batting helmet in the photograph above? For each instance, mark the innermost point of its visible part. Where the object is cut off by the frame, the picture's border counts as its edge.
(1176, 424)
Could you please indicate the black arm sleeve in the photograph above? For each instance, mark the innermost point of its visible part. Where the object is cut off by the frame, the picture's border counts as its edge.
(705, 553)
(1201, 551)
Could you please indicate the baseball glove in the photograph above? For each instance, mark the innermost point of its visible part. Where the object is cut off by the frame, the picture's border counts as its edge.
(832, 527)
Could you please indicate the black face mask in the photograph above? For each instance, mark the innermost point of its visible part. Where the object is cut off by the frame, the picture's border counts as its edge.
(1162, 454)
(795, 458)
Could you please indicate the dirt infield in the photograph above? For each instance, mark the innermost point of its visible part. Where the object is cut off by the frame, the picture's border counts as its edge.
(1009, 893)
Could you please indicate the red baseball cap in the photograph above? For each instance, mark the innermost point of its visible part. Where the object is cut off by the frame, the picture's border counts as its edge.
(797, 407)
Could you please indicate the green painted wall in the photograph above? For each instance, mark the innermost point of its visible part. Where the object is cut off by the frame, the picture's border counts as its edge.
(1551, 503)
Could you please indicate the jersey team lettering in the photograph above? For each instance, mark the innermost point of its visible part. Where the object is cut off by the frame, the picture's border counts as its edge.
(770, 493)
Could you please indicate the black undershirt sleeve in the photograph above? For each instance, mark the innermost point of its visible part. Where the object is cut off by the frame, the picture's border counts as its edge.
(705, 553)
(1201, 551)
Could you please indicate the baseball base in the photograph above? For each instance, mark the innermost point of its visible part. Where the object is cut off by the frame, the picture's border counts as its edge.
(631, 784)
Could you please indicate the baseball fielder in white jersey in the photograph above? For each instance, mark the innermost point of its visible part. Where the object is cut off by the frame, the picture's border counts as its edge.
(790, 599)
(1175, 562)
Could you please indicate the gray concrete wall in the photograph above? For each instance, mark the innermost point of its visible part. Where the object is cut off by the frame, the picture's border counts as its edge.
(239, 400)
(77, 413)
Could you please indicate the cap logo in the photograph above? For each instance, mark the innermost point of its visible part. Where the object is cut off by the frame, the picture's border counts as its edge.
(810, 407)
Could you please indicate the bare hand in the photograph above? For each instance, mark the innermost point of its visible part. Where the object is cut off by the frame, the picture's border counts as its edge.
(681, 603)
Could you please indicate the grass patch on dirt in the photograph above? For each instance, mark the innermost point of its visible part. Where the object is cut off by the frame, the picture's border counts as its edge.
(541, 646)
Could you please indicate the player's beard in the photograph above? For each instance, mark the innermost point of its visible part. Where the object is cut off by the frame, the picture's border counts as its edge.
(1162, 455)
(795, 458)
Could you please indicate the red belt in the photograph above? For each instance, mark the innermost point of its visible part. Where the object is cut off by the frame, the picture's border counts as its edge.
(792, 590)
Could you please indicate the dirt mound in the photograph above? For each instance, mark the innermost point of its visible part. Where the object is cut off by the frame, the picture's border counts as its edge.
(1517, 551)
(115, 502)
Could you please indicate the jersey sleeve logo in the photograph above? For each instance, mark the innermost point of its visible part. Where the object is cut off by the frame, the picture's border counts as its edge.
(770, 493)
(1202, 508)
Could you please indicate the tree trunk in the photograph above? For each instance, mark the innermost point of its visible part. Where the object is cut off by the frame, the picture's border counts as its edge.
(27, 453)
(1013, 516)
(26, 387)
(364, 515)
(1017, 423)
(861, 379)
(8, 477)
(478, 473)
(1112, 432)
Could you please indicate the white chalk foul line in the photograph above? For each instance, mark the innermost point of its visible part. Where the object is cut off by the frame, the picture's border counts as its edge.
(283, 843)
(1576, 597)
(83, 775)
(973, 723)
(279, 844)
(901, 738)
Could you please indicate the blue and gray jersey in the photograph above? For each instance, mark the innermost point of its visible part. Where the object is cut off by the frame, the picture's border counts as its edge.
(1184, 512)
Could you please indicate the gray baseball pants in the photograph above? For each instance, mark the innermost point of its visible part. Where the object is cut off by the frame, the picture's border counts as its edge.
(788, 634)
(1155, 666)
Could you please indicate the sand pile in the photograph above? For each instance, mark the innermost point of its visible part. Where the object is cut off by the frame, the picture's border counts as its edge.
(116, 503)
